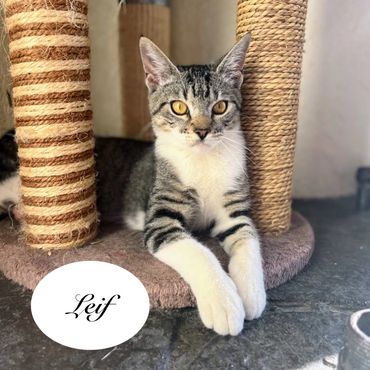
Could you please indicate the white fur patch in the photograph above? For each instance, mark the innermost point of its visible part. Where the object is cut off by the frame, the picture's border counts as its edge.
(10, 190)
(220, 307)
(246, 270)
(136, 221)
(211, 169)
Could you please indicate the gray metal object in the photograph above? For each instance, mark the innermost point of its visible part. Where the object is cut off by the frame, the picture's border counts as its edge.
(363, 188)
(355, 354)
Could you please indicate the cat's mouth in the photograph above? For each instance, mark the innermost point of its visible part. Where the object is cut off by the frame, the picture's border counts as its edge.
(204, 144)
(201, 143)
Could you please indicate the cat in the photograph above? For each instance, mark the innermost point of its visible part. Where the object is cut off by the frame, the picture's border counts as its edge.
(9, 180)
(193, 177)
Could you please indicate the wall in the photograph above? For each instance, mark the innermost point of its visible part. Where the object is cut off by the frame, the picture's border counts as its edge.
(202, 31)
(105, 71)
(334, 116)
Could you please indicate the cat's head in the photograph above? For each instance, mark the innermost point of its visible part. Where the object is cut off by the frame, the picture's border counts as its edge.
(194, 105)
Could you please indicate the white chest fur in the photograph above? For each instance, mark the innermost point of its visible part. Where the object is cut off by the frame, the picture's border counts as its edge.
(210, 171)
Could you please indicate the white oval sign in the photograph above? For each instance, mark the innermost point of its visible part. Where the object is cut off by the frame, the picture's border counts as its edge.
(90, 305)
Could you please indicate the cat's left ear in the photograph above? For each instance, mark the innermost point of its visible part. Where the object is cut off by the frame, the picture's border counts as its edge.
(231, 65)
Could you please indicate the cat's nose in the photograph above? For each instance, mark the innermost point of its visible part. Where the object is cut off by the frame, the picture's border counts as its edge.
(202, 133)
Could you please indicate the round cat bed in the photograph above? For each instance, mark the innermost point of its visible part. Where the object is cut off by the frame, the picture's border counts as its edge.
(284, 256)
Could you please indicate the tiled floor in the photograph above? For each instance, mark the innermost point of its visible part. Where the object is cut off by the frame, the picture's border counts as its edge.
(305, 319)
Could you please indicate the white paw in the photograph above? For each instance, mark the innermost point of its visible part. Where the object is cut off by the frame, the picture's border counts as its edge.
(247, 273)
(135, 221)
(221, 308)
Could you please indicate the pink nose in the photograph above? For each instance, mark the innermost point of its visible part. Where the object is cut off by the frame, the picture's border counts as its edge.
(202, 133)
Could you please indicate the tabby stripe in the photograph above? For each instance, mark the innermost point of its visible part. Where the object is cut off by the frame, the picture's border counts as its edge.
(211, 225)
(190, 194)
(185, 94)
(159, 108)
(169, 199)
(232, 192)
(242, 212)
(164, 212)
(222, 236)
(207, 79)
(236, 201)
(238, 106)
(150, 231)
(161, 237)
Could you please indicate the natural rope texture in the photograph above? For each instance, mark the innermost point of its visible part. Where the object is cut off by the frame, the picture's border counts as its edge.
(135, 20)
(270, 103)
(49, 52)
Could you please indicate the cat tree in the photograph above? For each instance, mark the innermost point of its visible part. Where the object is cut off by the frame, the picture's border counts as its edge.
(49, 54)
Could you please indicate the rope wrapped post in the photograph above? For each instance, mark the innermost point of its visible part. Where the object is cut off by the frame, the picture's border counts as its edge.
(270, 103)
(150, 18)
(49, 53)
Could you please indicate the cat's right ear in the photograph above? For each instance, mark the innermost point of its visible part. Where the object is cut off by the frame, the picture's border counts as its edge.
(157, 67)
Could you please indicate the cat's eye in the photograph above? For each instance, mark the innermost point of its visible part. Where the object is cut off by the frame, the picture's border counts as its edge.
(179, 107)
(220, 107)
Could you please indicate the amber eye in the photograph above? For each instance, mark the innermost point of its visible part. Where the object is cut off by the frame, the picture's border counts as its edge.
(178, 107)
(220, 107)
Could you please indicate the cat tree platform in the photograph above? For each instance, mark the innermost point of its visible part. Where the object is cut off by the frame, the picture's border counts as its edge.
(53, 120)
(284, 256)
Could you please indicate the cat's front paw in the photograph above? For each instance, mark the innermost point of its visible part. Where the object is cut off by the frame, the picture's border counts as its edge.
(247, 273)
(221, 308)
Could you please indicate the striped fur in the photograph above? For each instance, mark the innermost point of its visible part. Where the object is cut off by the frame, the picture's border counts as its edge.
(9, 180)
(201, 182)
(187, 182)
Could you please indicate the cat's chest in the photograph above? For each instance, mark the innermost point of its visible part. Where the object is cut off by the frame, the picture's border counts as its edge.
(211, 174)
(210, 177)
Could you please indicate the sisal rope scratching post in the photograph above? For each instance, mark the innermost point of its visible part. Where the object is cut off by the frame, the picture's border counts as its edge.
(270, 103)
(150, 18)
(49, 54)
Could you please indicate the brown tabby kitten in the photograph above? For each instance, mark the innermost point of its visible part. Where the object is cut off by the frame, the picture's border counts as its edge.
(193, 177)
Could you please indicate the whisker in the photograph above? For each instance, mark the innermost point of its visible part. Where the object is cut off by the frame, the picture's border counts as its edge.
(239, 148)
(249, 150)
(10, 208)
(239, 144)
(230, 152)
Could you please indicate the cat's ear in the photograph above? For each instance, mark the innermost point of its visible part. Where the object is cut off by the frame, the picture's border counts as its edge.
(157, 67)
(231, 65)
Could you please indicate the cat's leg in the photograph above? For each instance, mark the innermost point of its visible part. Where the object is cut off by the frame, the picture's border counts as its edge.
(136, 220)
(10, 189)
(10, 195)
(238, 236)
(219, 304)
